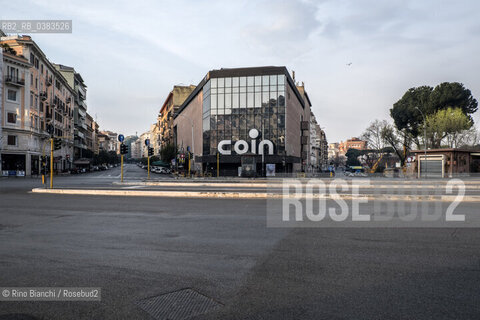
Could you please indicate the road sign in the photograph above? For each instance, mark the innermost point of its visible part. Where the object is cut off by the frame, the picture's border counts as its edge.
(147, 142)
(121, 137)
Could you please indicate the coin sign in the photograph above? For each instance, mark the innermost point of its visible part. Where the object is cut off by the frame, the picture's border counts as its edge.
(147, 142)
(121, 137)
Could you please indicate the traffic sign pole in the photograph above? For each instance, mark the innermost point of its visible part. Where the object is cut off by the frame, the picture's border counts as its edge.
(148, 167)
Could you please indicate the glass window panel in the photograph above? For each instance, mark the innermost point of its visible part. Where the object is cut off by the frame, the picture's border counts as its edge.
(250, 121)
(265, 80)
(281, 87)
(213, 123)
(228, 100)
(213, 91)
(281, 79)
(243, 100)
(265, 98)
(213, 82)
(206, 104)
(235, 90)
(250, 89)
(206, 124)
(235, 100)
(273, 88)
(250, 101)
(206, 87)
(258, 80)
(273, 121)
(235, 82)
(228, 82)
(258, 99)
(243, 89)
(228, 125)
(235, 121)
(281, 99)
(250, 81)
(213, 101)
(221, 102)
(235, 135)
(221, 90)
(228, 90)
(243, 81)
(221, 82)
(273, 80)
(258, 122)
(220, 135)
(281, 121)
(265, 88)
(220, 122)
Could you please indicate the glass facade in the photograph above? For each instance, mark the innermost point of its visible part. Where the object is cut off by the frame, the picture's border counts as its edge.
(232, 106)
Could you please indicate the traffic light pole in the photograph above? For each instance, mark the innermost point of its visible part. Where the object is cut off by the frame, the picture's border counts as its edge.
(51, 163)
(148, 167)
(121, 166)
(189, 164)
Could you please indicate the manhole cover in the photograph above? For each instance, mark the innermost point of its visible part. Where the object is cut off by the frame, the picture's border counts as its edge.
(178, 305)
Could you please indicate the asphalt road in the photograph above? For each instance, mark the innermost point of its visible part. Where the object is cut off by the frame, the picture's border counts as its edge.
(135, 248)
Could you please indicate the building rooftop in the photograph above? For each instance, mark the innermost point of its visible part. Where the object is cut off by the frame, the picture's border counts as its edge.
(243, 72)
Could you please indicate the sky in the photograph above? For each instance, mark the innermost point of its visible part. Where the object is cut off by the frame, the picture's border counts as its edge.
(131, 53)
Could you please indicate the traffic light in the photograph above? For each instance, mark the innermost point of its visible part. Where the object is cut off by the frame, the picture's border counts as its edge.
(57, 144)
(150, 152)
(123, 149)
(50, 128)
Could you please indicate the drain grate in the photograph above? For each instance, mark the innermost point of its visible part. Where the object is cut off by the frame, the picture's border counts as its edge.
(178, 305)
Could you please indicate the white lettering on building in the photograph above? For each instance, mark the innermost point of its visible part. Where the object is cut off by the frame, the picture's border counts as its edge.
(241, 146)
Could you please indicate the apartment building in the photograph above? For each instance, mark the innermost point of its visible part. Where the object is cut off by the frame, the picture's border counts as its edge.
(76, 81)
(353, 143)
(34, 96)
(170, 107)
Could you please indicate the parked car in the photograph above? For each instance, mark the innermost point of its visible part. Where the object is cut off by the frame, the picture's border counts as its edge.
(163, 170)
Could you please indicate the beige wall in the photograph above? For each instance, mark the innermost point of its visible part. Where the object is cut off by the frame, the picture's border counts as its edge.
(184, 129)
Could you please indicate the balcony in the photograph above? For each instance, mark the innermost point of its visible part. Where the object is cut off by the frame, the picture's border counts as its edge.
(15, 81)
(43, 95)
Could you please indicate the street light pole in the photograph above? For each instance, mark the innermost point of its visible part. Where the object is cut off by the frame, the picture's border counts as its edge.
(425, 138)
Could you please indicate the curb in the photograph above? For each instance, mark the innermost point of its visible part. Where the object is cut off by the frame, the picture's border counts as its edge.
(247, 195)
(279, 184)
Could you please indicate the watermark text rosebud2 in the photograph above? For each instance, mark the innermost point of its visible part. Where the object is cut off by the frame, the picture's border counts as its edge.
(366, 203)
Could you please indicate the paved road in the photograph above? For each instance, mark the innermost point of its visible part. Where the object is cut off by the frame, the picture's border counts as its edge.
(134, 248)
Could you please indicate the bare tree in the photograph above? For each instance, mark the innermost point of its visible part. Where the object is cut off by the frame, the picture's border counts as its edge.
(373, 135)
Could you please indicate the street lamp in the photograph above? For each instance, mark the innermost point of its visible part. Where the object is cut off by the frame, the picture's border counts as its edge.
(425, 138)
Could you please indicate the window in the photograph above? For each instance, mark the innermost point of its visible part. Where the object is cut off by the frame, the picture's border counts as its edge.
(12, 95)
(12, 117)
(12, 140)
